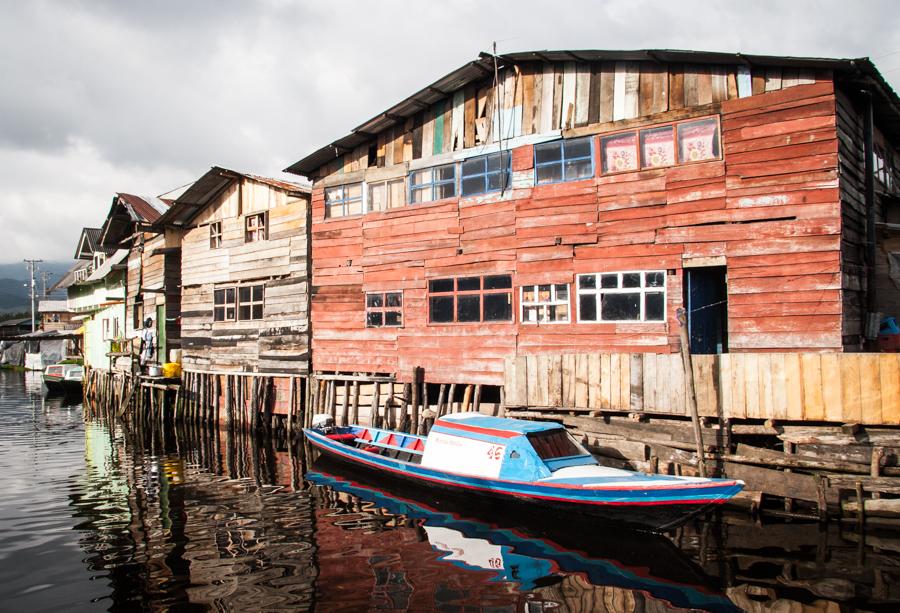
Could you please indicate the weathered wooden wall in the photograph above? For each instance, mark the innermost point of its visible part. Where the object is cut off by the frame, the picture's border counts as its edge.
(540, 97)
(851, 133)
(769, 209)
(817, 387)
(279, 342)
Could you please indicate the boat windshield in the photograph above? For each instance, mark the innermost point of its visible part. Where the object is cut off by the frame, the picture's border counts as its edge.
(551, 444)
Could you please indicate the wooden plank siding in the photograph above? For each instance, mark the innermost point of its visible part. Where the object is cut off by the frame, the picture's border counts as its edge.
(819, 387)
(770, 207)
(279, 342)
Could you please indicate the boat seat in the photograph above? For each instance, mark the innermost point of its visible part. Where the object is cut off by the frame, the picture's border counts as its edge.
(386, 446)
(342, 438)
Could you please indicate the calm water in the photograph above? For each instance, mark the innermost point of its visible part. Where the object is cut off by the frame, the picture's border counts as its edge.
(93, 517)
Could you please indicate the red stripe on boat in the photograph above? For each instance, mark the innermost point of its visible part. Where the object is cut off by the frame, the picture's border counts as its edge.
(455, 425)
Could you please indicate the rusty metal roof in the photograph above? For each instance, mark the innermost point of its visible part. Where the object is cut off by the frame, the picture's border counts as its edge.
(857, 71)
(143, 209)
(205, 189)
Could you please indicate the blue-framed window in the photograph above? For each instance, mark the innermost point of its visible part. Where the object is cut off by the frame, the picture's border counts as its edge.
(344, 200)
(486, 173)
(564, 160)
(432, 183)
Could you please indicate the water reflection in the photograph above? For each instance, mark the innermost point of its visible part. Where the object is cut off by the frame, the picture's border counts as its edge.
(96, 516)
(642, 569)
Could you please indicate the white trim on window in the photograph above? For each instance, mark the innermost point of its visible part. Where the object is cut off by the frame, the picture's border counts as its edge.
(542, 307)
(643, 290)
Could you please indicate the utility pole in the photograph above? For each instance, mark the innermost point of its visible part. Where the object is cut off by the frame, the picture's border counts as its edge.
(45, 276)
(31, 264)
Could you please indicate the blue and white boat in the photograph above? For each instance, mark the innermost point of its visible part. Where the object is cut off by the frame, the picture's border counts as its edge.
(535, 463)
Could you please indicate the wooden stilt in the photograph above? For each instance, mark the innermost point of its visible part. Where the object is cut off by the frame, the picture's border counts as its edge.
(345, 404)
(354, 405)
(416, 393)
(376, 400)
(450, 394)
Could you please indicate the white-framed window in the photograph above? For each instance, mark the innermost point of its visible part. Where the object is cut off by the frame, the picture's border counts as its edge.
(98, 259)
(384, 309)
(385, 195)
(545, 304)
(344, 200)
(432, 183)
(110, 328)
(637, 296)
(215, 235)
(255, 228)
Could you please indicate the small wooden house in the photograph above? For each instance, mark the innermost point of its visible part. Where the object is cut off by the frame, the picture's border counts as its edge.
(244, 273)
(153, 284)
(96, 296)
(573, 204)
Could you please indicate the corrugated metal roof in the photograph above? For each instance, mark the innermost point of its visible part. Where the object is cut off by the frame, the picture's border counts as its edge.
(52, 306)
(209, 186)
(887, 105)
(87, 243)
(69, 278)
(143, 209)
(107, 266)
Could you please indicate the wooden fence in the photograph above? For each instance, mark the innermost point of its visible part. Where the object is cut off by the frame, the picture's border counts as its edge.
(833, 387)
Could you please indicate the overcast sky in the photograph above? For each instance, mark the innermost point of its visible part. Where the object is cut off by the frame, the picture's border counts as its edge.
(144, 96)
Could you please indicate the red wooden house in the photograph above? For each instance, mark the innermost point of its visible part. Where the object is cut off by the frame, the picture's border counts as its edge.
(575, 201)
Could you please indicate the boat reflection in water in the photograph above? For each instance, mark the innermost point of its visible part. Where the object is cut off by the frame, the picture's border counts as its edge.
(564, 567)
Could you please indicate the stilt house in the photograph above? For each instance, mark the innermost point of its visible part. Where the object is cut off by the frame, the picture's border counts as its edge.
(153, 283)
(97, 298)
(531, 209)
(244, 273)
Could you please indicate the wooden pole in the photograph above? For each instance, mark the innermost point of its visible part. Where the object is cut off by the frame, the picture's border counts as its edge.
(291, 408)
(354, 405)
(414, 415)
(440, 402)
(450, 394)
(376, 402)
(345, 404)
(689, 388)
(467, 398)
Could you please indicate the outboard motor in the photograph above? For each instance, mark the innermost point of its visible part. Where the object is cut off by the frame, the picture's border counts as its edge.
(323, 422)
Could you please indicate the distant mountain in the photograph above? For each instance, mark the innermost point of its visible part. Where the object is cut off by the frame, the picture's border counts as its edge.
(14, 278)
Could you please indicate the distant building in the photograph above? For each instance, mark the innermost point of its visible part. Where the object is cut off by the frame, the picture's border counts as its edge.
(14, 327)
(55, 315)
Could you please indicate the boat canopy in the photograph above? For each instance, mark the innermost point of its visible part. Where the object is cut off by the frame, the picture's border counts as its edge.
(500, 448)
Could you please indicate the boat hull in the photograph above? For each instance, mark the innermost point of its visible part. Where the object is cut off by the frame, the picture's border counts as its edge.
(59, 385)
(659, 510)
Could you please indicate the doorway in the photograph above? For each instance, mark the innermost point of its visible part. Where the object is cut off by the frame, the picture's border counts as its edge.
(706, 299)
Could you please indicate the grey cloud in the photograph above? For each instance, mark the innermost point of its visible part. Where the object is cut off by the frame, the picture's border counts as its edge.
(111, 95)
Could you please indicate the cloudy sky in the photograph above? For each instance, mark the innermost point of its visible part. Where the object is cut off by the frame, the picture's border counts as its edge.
(144, 96)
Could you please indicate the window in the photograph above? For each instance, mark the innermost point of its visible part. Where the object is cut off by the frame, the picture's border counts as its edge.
(250, 302)
(660, 146)
(470, 299)
(111, 329)
(215, 235)
(384, 309)
(622, 296)
(545, 303)
(487, 173)
(432, 183)
(344, 200)
(385, 195)
(563, 160)
(551, 444)
(698, 140)
(137, 314)
(223, 304)
(98, 259)
(254, 228)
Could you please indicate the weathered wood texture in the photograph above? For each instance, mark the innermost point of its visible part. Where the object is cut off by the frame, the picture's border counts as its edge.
(818, 387)
(279, 342)
(854, 286)
(540, 97)
(769, 209)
